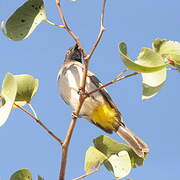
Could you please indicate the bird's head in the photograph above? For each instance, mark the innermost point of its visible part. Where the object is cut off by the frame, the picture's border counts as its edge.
(73, 54)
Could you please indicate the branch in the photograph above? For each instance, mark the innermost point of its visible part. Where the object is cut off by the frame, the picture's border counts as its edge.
(82, 97)
(111, 82)
(40, 123)
(68, 138)
(118, 78)
(89, 173)
(102, 29)
(66, 27)
(65, 148)
(87, 58)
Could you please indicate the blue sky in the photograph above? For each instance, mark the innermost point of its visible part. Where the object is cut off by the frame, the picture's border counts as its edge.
(24, 144)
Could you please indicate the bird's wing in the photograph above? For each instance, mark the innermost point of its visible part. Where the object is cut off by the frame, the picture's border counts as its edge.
(105, 94)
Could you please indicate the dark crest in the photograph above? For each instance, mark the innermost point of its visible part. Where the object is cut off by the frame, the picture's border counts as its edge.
(73, 54)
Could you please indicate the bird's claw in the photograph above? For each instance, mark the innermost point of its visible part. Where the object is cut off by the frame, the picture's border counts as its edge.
(74, 116)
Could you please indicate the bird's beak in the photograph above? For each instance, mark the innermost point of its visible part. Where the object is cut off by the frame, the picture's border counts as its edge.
(75, 47)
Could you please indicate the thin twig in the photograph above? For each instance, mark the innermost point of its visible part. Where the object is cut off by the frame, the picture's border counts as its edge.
(120, 74)
(86, 60)
(82, 87)
(111, 82)
(40, 123)
(66, 27)
(89, 173)
(102, 29)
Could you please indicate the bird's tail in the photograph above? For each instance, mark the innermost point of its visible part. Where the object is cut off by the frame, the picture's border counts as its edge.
(138, 146)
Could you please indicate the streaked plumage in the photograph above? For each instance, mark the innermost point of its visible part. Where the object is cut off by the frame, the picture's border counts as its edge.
(99, 107)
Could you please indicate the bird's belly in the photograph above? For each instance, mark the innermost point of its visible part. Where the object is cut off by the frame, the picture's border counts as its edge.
(95, 107)
(105, 116)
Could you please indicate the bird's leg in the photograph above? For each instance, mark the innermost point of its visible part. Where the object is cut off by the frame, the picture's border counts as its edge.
(74, 116)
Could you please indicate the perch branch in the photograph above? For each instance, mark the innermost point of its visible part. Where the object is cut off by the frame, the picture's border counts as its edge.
(82, 87)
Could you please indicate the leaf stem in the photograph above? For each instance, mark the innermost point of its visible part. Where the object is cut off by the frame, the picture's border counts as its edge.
(53, 24)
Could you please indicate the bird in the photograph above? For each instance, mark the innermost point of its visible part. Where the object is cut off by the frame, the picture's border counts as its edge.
(98, 107)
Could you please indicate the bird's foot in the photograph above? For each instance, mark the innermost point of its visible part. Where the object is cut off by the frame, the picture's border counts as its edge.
(74, 116)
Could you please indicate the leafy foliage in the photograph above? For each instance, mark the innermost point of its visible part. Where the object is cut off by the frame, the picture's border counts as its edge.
(8, 95)
(117, 158)
(169, 50)
(24, 20)
(27, 87)
(152, 67)
(40, 178)
(108, 146)
(17, 89)
(23, 174)
(93, 158)
(119, 164)
(141, 65)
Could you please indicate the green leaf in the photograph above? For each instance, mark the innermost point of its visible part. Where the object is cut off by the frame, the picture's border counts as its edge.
(140, 65)
(167, 49)
(8, 94)
(27, 87)
(23, 174)
(93, 158)
(109, 147)
(24, 20)
(153, 78)
(157, 43)
(152, 82)
(147, 57)
(40, 178)
(121, 164)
